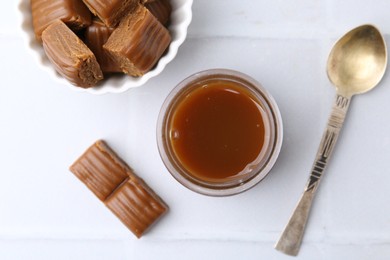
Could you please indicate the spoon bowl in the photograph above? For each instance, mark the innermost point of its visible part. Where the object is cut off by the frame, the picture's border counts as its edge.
(358, 61)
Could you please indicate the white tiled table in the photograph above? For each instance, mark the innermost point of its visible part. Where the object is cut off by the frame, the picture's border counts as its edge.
(46, 213)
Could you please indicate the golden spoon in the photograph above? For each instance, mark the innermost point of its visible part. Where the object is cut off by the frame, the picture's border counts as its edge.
(356, 64)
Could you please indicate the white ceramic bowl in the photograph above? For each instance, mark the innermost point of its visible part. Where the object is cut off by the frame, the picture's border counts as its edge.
(180, 19)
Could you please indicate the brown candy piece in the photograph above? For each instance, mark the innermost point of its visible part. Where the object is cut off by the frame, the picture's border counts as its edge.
(138, 42)
(111, 11)
(146, 1)
(95, 36)
(161, 9)
(122, 191)
(70, 56)
(100, 169)
(72, 12)
(136, 205)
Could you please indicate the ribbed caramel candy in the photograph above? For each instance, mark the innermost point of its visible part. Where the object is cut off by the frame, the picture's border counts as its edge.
(95, 36)
(72, 12)
(138, 42)
(100, 169)
(161, 9)
(111, 11)
(70, 56)
(136, 205)
(122, 191)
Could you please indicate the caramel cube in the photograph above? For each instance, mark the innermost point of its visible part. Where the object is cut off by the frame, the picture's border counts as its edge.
(138, 42)
(146, 1)
(95, 36)
(111, 11)
(161, 9)
(72, 12)
(136, 205)
(100, 169)
(70, 56)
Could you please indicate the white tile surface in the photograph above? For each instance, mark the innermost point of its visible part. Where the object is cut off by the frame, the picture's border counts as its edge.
(46, 213)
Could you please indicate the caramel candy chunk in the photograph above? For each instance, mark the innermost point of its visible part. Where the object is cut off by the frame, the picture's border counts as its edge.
(95, 36)
(121, 190)
(161, 9)
(100, 169)
(72, 12)
(111, 11)
(136, 205)
(146, 1)
(138, 42)
(70, 56)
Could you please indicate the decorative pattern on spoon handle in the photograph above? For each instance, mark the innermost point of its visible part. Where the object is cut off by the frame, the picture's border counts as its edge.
(291, 238)
(332, 131)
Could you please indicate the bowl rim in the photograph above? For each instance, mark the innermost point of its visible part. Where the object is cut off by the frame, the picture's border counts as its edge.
(180, 29)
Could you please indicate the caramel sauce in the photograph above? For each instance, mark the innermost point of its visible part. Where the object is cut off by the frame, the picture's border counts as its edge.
(217, 130)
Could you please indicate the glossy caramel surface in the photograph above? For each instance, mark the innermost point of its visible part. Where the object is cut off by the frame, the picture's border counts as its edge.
(217, 131)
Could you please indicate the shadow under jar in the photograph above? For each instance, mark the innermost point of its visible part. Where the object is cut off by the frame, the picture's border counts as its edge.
(219, 132)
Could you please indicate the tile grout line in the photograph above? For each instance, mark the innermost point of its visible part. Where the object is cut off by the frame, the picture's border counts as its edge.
(268, 238)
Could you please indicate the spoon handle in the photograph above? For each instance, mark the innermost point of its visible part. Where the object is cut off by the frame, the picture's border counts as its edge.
(291, 238)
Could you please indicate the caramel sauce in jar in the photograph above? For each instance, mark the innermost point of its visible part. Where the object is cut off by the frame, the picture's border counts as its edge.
(219, 132)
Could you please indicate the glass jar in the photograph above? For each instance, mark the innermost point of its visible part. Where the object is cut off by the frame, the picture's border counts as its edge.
(257, 170)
